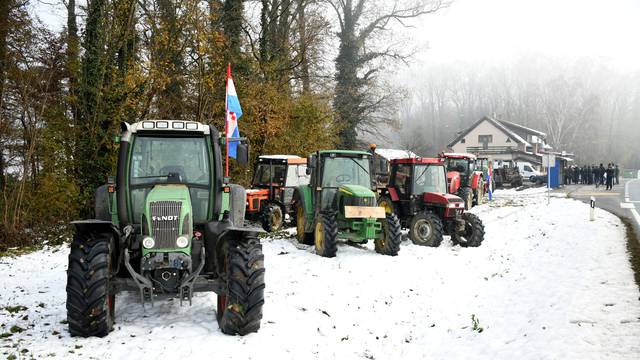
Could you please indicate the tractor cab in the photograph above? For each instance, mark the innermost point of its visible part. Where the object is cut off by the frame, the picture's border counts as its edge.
(274, 180)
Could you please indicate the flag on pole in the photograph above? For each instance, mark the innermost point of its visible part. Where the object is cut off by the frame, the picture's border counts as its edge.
(234, 112)
(489, 177)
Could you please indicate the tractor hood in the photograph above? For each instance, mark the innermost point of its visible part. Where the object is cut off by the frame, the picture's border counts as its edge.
(356, 191)
(443, 199)
(168, 216)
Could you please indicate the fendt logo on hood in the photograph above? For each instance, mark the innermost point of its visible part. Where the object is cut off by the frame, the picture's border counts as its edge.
(164, 218)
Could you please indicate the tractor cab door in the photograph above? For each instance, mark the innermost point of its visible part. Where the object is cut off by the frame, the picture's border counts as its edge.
(400, 181)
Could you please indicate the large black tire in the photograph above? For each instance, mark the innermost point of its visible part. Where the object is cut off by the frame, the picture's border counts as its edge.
(390, 244)
(239, 311)
(425, 229)
(466, 194)
(473, 232)
(326, 234)
(101, 203)
(272, 217)
(302, 236)
(90, 305)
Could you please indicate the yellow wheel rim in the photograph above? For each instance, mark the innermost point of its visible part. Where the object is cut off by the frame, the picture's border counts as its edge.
(319, 235)
(300, 222)
(387, 207)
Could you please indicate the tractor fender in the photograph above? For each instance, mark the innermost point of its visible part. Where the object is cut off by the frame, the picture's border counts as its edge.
(453, 178)
(95, 226)
(393, 193)
(304, 193)
(219, 233)
(475, 180)
(237, 204)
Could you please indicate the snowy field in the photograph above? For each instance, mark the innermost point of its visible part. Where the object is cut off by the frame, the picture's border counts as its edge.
(546, 284)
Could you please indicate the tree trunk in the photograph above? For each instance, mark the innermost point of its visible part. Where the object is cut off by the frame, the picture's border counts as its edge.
(303, 47)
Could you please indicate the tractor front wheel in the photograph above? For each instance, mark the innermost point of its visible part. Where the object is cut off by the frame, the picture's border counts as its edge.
(426, 229)
(467, 196)
(90, 304)
(239, 311)
(390, 243)
(326, 234)
(473, 234)
(272, 217)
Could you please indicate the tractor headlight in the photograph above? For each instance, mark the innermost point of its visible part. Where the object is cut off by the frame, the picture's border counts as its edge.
(182, 241)
(148, 242)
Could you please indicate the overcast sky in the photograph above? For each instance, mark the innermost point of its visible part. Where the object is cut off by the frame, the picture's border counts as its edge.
(498, 31)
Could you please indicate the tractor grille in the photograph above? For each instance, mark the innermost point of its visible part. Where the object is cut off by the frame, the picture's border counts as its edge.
(360, 201)
(165, 222)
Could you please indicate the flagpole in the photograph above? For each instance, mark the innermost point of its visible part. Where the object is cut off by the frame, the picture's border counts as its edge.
(226, 120)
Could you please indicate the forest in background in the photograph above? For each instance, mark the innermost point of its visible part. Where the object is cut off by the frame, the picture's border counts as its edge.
(307, 73)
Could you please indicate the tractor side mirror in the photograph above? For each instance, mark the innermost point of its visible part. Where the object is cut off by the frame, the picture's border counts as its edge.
(307, 170)
(242, 154)
(311, 163)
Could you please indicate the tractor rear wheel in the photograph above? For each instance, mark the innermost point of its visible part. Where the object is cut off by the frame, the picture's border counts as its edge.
(301, 235)
(239, 311)
(390, 243)
(326, 234)
(272, 217)
(426, 229)
(467, 196)
(90, 303)
(473, 234)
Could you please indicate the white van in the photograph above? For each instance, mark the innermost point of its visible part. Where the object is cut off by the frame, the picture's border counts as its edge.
(528, 171)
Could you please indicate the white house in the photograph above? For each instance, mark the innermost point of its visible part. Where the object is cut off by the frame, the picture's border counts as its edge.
(501, 140)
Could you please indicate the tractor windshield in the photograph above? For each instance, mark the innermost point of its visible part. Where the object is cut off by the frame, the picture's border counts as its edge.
(270, 175)
(346, 170)
(160, 160)
(429, 179)
(459, 165)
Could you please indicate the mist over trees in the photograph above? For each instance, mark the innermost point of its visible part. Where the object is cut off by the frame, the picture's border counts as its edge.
(585, 107)
(305, 71)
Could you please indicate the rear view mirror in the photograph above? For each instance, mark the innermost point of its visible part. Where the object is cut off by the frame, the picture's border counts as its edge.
(308, 171)
(311, 162)
(242, 154)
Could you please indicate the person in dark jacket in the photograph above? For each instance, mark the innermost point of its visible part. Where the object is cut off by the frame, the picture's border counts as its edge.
(609, 172)
(601, 172)
(616, 173)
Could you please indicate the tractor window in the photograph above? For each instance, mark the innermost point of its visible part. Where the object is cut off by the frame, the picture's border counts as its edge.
(346, 170)
(297, 175)
(431, 179)
(158, 159)
(459, 165)
(263, 175)
(403, 174)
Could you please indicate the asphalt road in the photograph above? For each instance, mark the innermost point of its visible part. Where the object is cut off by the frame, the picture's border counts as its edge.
(623, 200)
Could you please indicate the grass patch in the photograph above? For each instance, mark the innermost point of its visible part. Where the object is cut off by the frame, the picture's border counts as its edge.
(15, 309)
(633, 248)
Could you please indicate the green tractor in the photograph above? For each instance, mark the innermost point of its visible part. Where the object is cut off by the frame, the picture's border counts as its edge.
(169, 223)
(340, 202)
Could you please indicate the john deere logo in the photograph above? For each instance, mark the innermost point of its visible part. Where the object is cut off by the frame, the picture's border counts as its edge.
(164, 218)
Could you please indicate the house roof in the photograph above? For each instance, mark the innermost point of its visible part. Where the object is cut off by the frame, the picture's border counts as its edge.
(515, 126)
(495, 123)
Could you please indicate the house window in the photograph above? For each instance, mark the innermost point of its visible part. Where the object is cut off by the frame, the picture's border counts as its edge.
(485, 139)
(508, 140)
(463, 141)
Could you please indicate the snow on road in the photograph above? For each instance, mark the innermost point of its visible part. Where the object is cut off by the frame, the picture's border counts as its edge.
(546, 284)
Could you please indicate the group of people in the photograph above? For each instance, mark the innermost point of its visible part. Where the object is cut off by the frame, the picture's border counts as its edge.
(593, 175)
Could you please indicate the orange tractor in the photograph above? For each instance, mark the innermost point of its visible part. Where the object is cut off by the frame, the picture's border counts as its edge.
(274, 181)
(464, 179)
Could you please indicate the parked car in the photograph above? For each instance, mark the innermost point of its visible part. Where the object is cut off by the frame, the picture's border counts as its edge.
(528, 171)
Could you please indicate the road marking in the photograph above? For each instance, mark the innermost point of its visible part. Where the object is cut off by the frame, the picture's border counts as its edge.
(625, 205)
(626, 189)
(635, 214)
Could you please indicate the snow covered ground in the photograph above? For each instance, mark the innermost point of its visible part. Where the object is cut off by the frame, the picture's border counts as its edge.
(546, 284)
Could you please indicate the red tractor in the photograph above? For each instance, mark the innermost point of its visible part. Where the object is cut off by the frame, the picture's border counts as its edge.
(417, 194)
(464, 179)
(274, 181)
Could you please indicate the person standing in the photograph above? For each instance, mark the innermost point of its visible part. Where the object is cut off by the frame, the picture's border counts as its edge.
(601, 172)
(609, 172)
(616, 173)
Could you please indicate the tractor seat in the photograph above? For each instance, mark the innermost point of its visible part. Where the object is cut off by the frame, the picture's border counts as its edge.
(174, 169)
